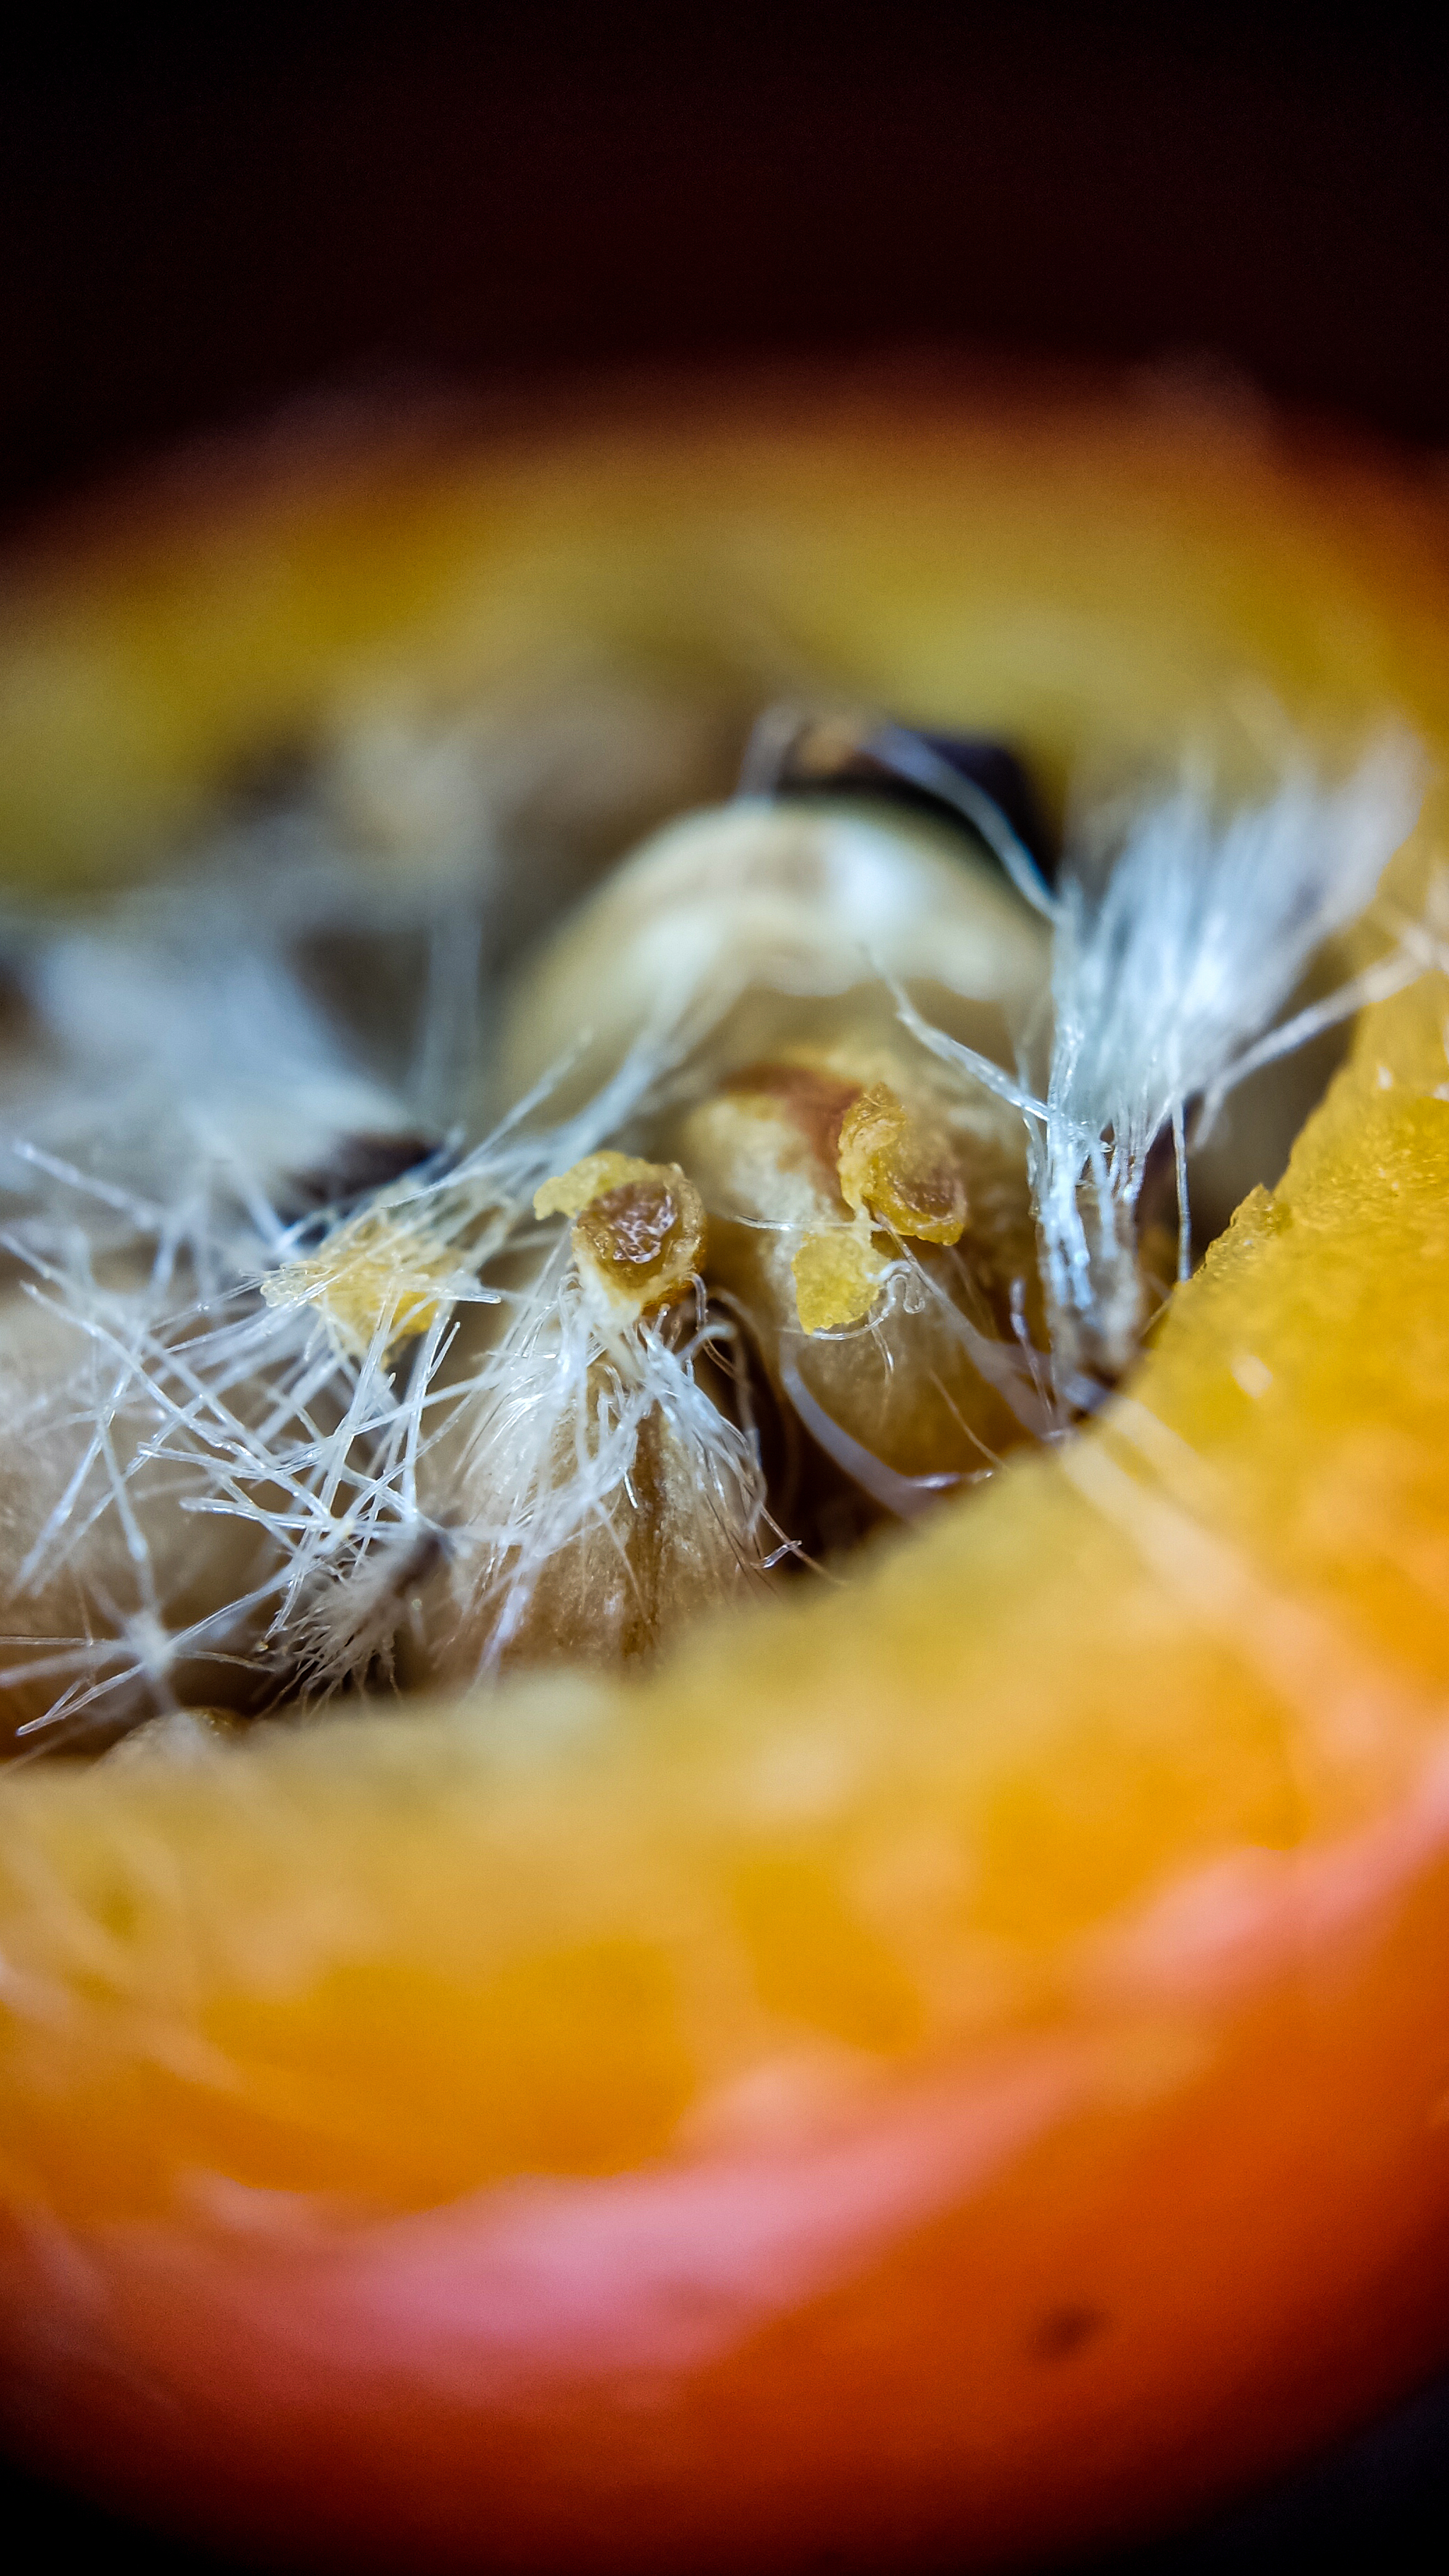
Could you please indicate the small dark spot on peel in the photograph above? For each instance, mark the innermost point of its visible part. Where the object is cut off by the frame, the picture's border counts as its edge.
(1062, 2332)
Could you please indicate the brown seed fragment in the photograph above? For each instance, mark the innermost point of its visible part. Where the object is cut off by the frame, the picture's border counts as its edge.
(628, 1229)
(639, 1231)
(894, 1173)
(811, 1162)
(817, 1102)
(384, 1272)
(893, 1168)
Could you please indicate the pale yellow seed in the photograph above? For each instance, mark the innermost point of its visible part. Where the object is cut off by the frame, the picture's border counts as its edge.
(895, 1168)
(894, 1173)
(572, 1190)
(376, 1274)
(837, 1273)
(639, 1231)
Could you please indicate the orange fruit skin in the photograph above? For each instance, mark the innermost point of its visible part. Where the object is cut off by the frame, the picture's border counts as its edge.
(1015, 2308)
(487, 2228)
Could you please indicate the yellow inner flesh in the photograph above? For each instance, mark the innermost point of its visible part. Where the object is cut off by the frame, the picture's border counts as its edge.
(568, 1926)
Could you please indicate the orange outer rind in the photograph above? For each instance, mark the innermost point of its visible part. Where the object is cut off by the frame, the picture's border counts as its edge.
(957, 2064)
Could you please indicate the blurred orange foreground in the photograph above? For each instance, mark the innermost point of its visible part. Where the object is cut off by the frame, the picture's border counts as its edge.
(953, 2066)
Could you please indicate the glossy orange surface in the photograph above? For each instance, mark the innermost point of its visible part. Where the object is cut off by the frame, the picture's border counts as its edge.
(956, 2063)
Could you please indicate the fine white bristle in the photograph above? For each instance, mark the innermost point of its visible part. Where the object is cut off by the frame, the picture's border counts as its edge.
(255, 1452)
(1168, 972)
(1163, 977)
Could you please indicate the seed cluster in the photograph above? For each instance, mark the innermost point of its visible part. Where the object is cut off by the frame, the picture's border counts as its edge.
(772, 1233)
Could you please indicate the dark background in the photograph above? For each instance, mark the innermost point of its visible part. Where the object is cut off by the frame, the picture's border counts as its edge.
(202, 218)
(198, 218)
